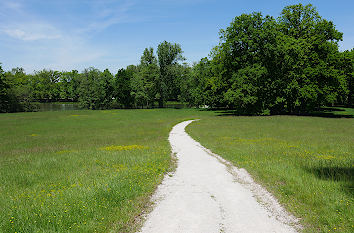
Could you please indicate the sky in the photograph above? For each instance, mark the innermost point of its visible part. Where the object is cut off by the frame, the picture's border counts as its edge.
(77, 34)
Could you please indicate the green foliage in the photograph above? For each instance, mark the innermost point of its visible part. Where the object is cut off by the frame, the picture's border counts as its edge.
(96, 89)
(122, 87)
(146, 80)
(182, 83)
(153, 79)
(19, 91)
(148, 57)
(197, 92)
(346, 65)
(168, 57)
(288, 65)
(133, 87)
(47, 85)
(69, 85)
(4, 96)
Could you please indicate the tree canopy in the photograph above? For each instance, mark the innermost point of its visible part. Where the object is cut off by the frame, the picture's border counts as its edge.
(286, 65)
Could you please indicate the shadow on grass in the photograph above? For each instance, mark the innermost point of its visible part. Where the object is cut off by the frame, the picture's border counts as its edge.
(333, 112)
(338, 174)
(329, 112)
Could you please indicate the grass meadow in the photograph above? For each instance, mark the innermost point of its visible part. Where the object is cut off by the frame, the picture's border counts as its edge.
(82, 171)
(306, 162)
(94, 171)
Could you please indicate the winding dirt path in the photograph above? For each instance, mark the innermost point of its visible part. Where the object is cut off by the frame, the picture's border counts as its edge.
(208, 194)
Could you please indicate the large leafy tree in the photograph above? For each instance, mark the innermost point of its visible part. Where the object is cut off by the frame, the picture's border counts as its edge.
(319, 81)
(245, 45)
(264, 65)
(146, 80)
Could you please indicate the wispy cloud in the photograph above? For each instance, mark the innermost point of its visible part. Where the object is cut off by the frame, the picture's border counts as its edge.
(47, 42)
(12, 5)
(31, 31)
(108, 13)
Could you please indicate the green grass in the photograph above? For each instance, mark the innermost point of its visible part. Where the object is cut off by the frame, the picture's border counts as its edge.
(56, 176)
(307, 162)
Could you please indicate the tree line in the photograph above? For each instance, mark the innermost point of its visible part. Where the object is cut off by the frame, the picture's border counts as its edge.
(262, 65)
(156, 79)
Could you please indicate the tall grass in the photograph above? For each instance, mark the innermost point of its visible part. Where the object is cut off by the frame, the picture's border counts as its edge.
(82, 171)
(307, 162)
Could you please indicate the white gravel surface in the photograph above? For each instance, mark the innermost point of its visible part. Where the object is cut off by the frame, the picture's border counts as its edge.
(208, 194)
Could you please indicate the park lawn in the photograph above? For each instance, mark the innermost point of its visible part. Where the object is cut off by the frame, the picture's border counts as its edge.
(82, 171)
(306, 162)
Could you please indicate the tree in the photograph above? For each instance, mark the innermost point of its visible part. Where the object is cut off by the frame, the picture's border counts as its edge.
(197, 84)
(106, 89)
(145, 81)
(19, 91)
(4, 96)
(96, 89)
(47, 86)
(183, 83)
(122, 87)
(138, 90)
(148, 57)
(288, 65)
(242, 79)
(69, 84)
(168, 56)
(346, 65)
(319, 81)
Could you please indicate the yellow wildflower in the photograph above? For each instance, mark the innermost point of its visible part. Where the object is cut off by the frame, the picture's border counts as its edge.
(120, 148)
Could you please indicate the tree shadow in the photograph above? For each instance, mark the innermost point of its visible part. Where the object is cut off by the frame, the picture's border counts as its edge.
(338, 174)
(223, 111)
(227, 113)
(327, 112)
(332, 112)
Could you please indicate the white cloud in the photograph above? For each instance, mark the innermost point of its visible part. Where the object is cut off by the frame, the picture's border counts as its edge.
(10, 5)
(30, 32)
(36, 41)
(106, 14)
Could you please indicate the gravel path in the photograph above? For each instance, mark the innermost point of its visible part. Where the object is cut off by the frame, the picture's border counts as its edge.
(208, 194)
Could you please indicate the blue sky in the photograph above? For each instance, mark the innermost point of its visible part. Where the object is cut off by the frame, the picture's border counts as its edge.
(76, 34)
